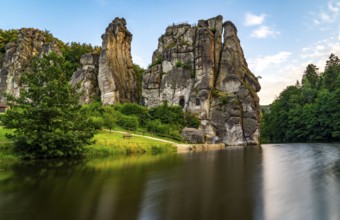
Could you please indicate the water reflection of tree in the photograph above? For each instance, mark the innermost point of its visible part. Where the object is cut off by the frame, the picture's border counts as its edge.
(76, 190)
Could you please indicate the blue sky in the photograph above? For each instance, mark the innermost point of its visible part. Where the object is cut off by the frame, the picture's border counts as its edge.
(279, 38)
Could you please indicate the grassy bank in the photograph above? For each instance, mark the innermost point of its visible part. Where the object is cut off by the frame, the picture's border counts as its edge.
(6, 148)
(106, 144)
(110, 143)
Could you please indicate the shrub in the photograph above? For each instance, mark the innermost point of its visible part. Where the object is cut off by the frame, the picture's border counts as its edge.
(97, 122)
(176, 135)
(168, 115)
(93, 109)
(128, 122)
(139, 111)
(191, 120)
(157, 127)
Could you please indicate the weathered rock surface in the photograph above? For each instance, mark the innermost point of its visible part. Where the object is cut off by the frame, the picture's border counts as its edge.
(193, 135)
(116, 78)
(31, 42)
(206, 73)
(86, 78)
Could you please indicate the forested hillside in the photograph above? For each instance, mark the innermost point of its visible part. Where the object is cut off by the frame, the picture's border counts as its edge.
(308, 111)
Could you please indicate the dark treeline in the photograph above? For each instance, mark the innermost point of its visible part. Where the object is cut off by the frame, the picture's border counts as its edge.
(308, 111)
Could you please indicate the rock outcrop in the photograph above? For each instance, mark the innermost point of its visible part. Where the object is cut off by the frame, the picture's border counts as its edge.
(116, 78)
(193, 135)
(31, 42)
(86, 78)
(202, 68)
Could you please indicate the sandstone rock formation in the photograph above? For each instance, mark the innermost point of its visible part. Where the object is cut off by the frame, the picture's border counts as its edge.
(116, 78)
(31, 42)
(193, 135)
(86, 77)
(206, 73)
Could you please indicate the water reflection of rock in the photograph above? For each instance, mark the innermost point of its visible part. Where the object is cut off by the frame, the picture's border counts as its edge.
(217, 185)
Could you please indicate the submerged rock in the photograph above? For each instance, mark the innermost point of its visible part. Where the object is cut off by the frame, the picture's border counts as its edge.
(206, 73)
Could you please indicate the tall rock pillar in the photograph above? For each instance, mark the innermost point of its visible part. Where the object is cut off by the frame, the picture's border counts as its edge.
(116, 78)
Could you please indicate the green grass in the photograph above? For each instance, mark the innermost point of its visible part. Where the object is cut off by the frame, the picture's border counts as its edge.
(146, 133)
(6, 147)
(106, 144)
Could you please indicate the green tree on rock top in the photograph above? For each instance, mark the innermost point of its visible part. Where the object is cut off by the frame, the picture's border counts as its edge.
(46, 119)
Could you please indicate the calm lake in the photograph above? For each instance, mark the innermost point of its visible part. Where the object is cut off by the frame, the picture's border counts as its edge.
(274, 181)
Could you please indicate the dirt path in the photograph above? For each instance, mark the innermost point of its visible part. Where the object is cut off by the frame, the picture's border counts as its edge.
(153, 138)
(181, 148)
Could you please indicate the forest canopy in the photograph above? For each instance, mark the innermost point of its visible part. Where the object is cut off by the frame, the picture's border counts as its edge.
(307, 111)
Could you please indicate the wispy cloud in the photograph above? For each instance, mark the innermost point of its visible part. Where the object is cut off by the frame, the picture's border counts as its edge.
(259, 64)
(283, 69)
(261, 31)
(318, 52)
(264, 32)
(252, 19)
(326, 15)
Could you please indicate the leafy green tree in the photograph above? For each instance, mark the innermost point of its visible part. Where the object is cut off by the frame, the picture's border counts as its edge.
(129, 122)
(110, 117)
(332, 70)
(168, 114)
(73, 51)
(141, 112)
(46, 119)
(310, 76)
(307, 112)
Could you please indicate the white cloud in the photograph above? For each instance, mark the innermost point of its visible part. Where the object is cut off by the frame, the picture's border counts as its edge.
(259, 64)
(264, 32)
(251, 19)
(326, 18)
(334, 7)
(327, 15)
(281, 70)
(319, 51)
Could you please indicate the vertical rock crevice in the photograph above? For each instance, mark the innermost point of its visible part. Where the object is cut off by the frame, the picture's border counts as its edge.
(116, 78)
(218, 91)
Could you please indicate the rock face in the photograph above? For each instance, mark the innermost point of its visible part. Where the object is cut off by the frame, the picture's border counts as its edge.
(202, 68)
(116, 78)
(31, 42)
(193, 135)
(86, 77)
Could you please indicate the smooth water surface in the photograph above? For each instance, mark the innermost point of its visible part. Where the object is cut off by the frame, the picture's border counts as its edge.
(275, 181)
